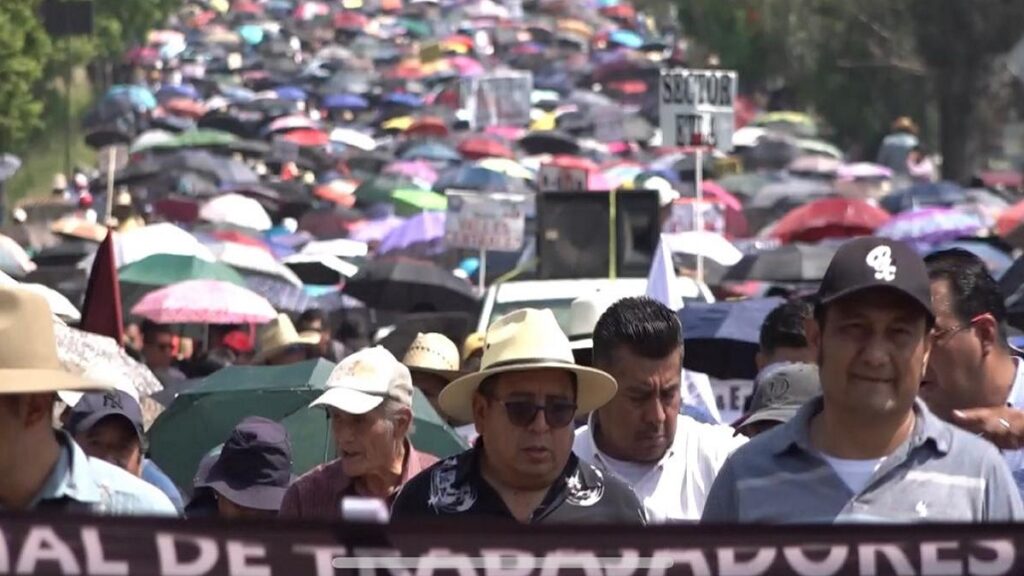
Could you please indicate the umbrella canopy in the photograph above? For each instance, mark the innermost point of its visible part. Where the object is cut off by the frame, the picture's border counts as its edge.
(205, 302)
(792, 263)
(340, 247)
(166, 269)
(353, 138)
(944, 194)
(432, 151)
(252, 259)
(162, 238)
(202, 417)
(406, 285)
(479, 147)
(79, 227)
(59, 304)
(236, 210)
(549, 142)
(79, 351)
(931, 226)
(13, 258)
(289, 298)
(829, 218)
(1008, 225)
(375, 230)
(421, 235)
(320, 269)
(410, 201)
(722, 338)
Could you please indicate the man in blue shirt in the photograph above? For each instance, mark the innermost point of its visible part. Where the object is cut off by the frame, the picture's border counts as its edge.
(41, 468)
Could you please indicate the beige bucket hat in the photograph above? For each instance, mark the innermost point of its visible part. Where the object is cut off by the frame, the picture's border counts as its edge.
(527, 339)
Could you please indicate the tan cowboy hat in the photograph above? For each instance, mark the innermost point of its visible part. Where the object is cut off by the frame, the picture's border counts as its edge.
(279, 335)
(527, 339)
(28, 356)
(433, 353)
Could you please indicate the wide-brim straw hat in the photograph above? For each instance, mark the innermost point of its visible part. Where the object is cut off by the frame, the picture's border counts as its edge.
(527, 339)
(28, 356)
(433, 353)
(280, 335)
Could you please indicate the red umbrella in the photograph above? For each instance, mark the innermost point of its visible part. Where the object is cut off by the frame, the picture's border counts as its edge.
(1010, 220)
(829, 218)
(574, 163)
(428, 126)
(307, 137)
(350, 20)
(239, 238)
(477, 148)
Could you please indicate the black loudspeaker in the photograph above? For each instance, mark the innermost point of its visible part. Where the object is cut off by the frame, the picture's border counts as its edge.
(573, 234)
(67, 17)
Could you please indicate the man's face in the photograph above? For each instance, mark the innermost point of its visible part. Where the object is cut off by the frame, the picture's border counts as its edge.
(366, 443)
(952, 380)
(871, 353)
(527, 456)
(639, 423)
(114, 440)
(159, 351)
(431, 386)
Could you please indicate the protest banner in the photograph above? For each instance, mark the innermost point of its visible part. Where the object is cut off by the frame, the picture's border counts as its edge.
(67, 544)
(553, 178)
(497, 99)
(485, 222)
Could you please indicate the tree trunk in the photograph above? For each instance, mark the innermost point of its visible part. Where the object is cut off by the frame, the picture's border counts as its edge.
(957, 91)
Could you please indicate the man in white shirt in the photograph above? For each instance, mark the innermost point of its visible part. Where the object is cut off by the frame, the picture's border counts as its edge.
(971, 365)
(669, 460)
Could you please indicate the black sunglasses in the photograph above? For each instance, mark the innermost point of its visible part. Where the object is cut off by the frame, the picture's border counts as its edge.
(557, 413)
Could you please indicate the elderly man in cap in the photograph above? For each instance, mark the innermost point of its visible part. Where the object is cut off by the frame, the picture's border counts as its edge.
(44, 469)
(254, 469)
(369, 401)
(523, 401)
(867, 449)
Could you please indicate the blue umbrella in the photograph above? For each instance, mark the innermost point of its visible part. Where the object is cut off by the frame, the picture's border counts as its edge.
(345, 102)
(177, 91)
(478, 178)
(293, 93)
(944, 194)
(137, 95)
(403, 99)
(626, 38)
(237, 93)
(251, 33)
(432, 152)
(722, 338)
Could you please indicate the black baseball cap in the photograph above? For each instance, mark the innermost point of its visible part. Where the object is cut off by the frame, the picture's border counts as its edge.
(96, 406)
(872, 262)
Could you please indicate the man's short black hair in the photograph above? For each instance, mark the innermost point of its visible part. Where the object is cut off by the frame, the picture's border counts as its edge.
(310, 317)
(643, 325)
(973, 289)
(151, 329)
(783, 327)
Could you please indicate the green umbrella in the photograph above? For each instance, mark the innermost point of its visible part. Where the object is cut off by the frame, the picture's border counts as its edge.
(202, 417)
(380, 189)
(410, 201)
(199, 138)
(167, 269)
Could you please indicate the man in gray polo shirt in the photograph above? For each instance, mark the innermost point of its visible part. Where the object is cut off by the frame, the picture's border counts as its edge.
(867, 450)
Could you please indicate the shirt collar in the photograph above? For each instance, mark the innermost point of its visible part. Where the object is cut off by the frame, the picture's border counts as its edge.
(796, 432)
(71, 477)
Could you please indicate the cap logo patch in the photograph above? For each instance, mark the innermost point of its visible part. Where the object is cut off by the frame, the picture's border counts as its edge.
(111, 400)
(880, 259)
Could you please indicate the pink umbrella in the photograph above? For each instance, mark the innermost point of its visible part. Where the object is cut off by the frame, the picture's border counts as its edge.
(205, 302)
(512, 133)
(416, 169)
(863, 171)
(466, 66)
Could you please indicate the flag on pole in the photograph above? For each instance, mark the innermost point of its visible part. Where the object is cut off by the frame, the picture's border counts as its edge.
(101, 312)
(661, 280)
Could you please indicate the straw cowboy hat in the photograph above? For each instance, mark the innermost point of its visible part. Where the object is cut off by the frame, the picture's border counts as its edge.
(28, 356)
(433, 353)
(527, 339)
(279, 335)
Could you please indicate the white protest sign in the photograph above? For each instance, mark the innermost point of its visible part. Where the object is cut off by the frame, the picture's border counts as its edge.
(683, 216)
(696, 107)
(730, 396)
(482, 221)
(558, 179)
(497, 99)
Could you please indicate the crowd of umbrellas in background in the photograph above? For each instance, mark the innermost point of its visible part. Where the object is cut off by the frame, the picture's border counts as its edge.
(283, 155)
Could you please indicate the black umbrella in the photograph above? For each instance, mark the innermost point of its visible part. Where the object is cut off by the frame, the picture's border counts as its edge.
(721, 339)
(787, 264)
(549, 142)
(411, 286)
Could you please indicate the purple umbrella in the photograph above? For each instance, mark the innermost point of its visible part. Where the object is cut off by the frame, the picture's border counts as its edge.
(422, 234)
(415, 169)
(930, 226)
(375, 230)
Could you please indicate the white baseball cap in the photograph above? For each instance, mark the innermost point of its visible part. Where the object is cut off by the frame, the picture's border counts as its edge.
(364, 380)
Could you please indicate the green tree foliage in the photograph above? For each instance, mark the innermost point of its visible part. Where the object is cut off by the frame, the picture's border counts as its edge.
(24, 50)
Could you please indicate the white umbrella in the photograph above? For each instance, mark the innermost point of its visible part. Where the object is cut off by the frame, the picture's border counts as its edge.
(253, 259)
(316, 263)
(340, 247)
(163, 238)
(149, 139)
(60, 306)
(236, 210)
(702, 243)
(13, 258)
(353, 138)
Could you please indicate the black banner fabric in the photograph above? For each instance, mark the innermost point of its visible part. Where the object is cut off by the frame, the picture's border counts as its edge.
(121, 546)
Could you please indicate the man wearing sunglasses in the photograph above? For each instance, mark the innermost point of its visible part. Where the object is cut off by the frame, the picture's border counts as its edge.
(972, 365)
(522, 402)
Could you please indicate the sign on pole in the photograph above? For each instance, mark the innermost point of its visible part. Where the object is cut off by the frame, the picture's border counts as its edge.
(559, 179)
(482, 221)
(497, 99)
(696, 107)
